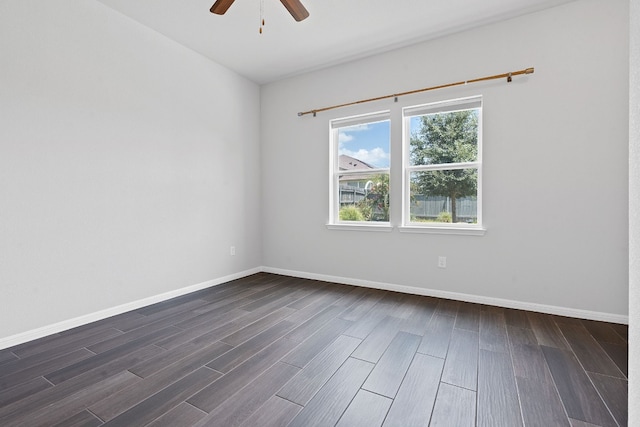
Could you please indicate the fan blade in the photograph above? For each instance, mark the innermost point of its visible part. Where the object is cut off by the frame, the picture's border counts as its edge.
(221, 6)
(296, 9)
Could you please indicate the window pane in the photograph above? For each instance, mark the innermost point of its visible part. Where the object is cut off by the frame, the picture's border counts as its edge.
(449, 137)
(444, 196)
(364, 197)
(364, 146)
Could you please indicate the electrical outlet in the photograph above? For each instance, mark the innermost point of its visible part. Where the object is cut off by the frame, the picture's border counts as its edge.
(442, 262)
(232, 250)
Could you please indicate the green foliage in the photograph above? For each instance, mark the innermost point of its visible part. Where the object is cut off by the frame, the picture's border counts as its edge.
(450, 137)
(444, 217)
(350, 213)
(375, 207)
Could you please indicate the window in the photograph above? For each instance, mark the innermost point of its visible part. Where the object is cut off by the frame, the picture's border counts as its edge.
(442, 157)
(360, 148)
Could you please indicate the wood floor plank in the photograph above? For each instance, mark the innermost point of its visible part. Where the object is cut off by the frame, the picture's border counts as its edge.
(312, 309)
(318, 297)
(313, 345)
(28, 373)
(366, 323)
(497, 394)
(167, 358)
(419, 319)
(546, 331)
(461, 365)
(276, 412)
(100, 359)
(578, 423)
(67, 344)
(61, 391)
(214, 395)
(146, 334)
(521, 336)
(246, 402)
(366, 409)
(541, 405)
(539, 399)
(376, 343)
(590, 354)
(447, 307)
(365, 305)
(81, 419)
(278, 297)
(603, 332)
(169, 316)
(314, 375)
(217, 317)
(580, 399)
(307, 328)
(493, 332)
(72, 404)
(354, 294)
(615, 394)
(182, 415)
(455, 406)
(249, 348)
(328, 405)
(115, 404)
(516, 318)
(7, 356)
(258, 326)
(22, 390)
(528, 361)
(206, 332)
(414, 402)
(435, 341)
(622, 330)
(619, 354)
(176, 304)
(386, 377)
(468, 317)
(165, 400)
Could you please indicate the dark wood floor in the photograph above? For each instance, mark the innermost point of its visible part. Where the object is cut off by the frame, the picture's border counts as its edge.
(269, 350)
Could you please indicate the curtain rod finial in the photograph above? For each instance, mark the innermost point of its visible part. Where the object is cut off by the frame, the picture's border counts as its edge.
(529, 70)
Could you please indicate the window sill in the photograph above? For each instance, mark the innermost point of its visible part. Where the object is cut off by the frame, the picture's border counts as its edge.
(361, 227)
(463, 231)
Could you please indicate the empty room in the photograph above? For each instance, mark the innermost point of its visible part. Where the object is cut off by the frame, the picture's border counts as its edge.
(319, 213)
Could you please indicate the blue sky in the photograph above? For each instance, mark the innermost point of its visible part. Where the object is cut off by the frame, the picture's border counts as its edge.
(368, 143)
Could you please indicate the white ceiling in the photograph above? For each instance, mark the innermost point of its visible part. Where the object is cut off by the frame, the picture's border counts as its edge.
(336, 30)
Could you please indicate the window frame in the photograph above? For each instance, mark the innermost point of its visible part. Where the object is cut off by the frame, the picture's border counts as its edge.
(459, 104)
(335, 173)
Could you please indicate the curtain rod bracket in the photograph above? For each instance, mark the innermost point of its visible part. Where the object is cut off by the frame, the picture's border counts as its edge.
(395, 99)
(509, 78)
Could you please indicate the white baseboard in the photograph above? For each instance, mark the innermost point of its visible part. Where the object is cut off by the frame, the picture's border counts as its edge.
(113, 311)
(103, 314)
(499, 302)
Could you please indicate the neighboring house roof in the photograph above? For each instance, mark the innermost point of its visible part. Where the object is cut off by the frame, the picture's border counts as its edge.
(348, 163)
(351, 163)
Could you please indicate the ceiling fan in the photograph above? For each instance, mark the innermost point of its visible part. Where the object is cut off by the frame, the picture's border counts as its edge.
(295, 8)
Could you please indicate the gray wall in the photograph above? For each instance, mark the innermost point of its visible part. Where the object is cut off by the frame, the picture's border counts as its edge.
(128, 164)
(552, 141)
(634, 215)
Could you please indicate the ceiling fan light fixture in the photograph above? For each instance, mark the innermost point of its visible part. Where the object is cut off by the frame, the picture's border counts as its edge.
(295, 8)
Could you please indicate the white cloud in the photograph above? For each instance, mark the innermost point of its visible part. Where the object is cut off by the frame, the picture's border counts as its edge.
(344, 137)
